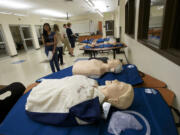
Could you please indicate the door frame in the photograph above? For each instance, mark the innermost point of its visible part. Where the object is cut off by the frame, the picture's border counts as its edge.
(3, 40)
(20, 26)
(107, 29)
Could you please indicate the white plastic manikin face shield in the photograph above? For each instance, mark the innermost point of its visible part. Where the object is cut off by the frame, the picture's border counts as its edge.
(120, 121)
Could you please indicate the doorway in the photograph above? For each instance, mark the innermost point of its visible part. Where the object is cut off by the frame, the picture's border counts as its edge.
(3, 49)
(39, 31)
(22, 36)
(109, 28)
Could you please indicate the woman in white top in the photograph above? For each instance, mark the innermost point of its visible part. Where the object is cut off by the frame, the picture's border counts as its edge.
(60, 40)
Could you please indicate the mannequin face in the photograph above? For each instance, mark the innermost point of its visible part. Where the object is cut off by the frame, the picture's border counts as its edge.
(114, 89)
(115, 66)
(119, 94)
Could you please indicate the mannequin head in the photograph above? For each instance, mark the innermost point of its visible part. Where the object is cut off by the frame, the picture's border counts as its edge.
(115, 66)
(119, 94)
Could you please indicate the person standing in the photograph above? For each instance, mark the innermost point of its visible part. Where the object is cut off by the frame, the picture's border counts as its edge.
(71, 37)
(66, 40)
(49, 40)
(60, 40)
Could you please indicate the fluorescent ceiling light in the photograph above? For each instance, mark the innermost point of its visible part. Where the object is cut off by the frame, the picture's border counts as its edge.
(17, 14)
(160, 7)
(13, 4)
(101, 5)
(44, 18)
(49, 12)
(90, 3)
(99, 13)
(53, 19)
(6, 13)
(61, 20)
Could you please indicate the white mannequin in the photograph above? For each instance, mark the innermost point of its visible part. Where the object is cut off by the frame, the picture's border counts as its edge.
(96, 68)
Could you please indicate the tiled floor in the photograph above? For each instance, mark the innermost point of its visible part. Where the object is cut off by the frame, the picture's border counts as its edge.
(35, 66)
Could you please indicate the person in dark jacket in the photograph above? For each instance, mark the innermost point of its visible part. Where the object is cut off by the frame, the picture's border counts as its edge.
(49, 40)
(71, 37)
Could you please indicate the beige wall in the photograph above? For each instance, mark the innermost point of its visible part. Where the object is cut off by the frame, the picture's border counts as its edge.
(12, 19)
(156, 16)
(116, 22)
(109, 16)
(7, 20)
(91, 17)
(96, 18)
(149, 61)
(156, 11)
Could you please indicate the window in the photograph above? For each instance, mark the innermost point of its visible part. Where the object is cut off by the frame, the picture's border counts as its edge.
(3, 51)
(109, 27)
(1, 38)
(174, 46)
(130, 17)
(159, 27)
(26, 32)
(155, 22)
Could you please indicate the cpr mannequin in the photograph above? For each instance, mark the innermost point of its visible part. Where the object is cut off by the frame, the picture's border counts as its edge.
(119, 94)
(75, 100)
(96, 68)
(112, 41)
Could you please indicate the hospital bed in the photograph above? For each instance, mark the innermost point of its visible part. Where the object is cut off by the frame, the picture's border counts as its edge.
(147, 101)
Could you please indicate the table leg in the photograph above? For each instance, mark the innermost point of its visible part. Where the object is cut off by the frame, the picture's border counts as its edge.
(90, 54)
(114, 53)
(94, 54)
(125, 57)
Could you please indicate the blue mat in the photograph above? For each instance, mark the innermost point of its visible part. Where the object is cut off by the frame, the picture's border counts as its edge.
(101, 40)
(87, 41)
(150, 105)
(129, 75)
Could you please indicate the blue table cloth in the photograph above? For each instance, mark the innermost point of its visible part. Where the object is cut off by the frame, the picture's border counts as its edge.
(129, 75)
(150, 105)
(147, 102)
(103, 46)
(87, 41)
(101, 40)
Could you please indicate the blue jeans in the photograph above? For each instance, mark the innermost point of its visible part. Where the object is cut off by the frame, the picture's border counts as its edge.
(60, 54)
(54, 60)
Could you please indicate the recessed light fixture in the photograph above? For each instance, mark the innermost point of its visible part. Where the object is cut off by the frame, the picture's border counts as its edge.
(93, 6)
(101, 5)
(49, 12)
(53, 19)
(6, 13)
(14, 4)
(17, 14)
(44, 18)
(160, 7)
(90, 3)
(99, 13)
